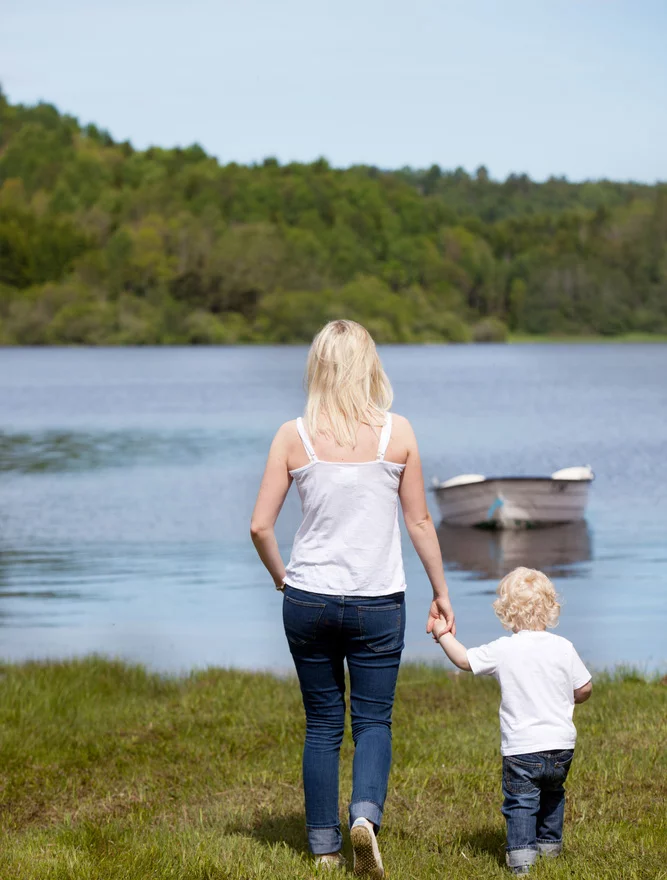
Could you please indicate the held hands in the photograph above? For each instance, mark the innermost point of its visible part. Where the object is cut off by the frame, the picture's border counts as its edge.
(439, 629)
(442, 613)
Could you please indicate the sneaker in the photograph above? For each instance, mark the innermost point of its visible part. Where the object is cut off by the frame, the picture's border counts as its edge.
(367, 858)
(520, 861)
(330, 861)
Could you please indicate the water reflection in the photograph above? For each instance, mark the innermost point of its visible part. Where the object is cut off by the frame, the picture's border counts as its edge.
(491, 554)
(64, 451)
(38, 575)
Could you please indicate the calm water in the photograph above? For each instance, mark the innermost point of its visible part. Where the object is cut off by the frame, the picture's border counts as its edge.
(127, 479)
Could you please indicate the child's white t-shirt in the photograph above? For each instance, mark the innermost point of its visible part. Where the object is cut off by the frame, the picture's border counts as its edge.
(538, 673)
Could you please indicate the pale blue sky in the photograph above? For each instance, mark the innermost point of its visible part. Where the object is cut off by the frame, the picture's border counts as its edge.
(573, 87)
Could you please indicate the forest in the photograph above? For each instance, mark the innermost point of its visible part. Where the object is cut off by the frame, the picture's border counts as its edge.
(103, 244)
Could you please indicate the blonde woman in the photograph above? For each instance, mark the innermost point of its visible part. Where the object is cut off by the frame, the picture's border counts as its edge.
(344, 585)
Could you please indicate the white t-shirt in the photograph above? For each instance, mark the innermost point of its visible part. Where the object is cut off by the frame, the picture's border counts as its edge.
(538, 673)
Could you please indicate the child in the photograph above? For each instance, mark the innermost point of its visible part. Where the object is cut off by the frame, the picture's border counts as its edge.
(541, 678)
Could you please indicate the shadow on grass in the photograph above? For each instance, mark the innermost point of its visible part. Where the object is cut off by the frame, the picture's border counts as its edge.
(486, 840)
(270, 828)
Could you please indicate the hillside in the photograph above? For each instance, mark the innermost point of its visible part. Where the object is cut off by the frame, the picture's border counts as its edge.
(104, 244)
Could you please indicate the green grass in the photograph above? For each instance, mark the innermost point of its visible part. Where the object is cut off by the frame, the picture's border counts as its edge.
(112, 773)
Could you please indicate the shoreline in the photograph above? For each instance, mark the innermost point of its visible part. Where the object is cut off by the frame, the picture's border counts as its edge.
(512, 339)
(637, 338)
(439, 666)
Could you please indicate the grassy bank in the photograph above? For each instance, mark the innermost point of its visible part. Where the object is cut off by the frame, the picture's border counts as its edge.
(109, 772)
(624, 337)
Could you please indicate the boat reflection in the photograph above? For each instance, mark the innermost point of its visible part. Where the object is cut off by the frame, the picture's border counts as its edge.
(491, 554)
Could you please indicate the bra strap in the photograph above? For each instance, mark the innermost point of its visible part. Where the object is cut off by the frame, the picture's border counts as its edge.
(305, 439)
(385, 436)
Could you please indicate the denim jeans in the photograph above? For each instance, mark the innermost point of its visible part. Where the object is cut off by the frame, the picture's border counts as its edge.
(534, 805)
(323, 631)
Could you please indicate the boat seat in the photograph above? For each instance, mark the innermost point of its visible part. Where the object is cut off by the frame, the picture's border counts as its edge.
(462, 480)
(573, 473)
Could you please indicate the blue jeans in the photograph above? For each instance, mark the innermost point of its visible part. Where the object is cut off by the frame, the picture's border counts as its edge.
(323, 631)
(534, 805)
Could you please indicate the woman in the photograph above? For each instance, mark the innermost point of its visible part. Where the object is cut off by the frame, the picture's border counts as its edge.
(344, 585)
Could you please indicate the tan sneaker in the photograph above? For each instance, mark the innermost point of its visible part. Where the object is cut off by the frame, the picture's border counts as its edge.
(367, 858)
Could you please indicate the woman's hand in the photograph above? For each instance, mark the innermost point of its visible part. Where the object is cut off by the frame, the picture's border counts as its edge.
(441, 609)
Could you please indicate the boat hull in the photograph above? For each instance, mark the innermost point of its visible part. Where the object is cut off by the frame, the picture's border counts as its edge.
(513, 502)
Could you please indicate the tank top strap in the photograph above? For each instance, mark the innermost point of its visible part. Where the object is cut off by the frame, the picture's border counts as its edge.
(305, 439)
(385, 436)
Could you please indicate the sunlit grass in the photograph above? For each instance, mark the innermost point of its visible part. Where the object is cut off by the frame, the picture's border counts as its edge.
(114, 774)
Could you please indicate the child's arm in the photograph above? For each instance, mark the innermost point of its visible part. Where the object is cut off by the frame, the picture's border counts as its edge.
(583, 693)
(581, 679)
(456, 652)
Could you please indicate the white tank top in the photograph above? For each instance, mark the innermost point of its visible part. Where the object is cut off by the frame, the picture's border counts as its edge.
(349, 543)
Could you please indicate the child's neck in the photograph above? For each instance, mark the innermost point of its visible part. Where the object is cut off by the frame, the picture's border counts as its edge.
(524, 629)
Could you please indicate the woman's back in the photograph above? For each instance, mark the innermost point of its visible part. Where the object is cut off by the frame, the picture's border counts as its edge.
(349, 541)
(365, 449)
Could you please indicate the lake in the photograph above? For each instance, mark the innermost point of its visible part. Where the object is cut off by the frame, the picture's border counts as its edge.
(128, 476)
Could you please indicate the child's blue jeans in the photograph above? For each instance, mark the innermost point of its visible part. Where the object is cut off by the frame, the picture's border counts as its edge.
(323, 632)
(534, 805)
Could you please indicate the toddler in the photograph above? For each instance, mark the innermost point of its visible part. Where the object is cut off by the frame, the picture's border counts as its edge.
(541, 678)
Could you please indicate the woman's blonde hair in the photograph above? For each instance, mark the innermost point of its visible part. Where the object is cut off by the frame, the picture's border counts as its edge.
(346, 382)
(527, 600)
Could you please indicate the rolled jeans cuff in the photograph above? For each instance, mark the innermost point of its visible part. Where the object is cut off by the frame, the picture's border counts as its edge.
(516, 858)
(324, 840)
(549, 848)
(366, 810)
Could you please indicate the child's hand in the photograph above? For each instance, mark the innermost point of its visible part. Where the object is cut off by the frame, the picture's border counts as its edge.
(439, 628)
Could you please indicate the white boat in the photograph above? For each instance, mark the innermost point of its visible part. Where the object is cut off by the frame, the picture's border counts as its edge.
(514, 502)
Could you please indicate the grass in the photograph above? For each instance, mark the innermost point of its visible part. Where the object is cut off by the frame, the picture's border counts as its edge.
(112, 773)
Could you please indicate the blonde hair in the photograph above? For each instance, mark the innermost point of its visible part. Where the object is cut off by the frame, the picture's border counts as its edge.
(346, 382)
(527, 600)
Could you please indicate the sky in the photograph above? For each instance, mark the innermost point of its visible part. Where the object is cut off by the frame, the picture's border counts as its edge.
(547, 87)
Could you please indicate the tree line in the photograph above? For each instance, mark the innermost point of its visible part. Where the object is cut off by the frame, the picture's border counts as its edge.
(104, 244)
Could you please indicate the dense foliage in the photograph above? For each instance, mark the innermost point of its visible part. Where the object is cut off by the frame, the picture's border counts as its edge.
(101, 243)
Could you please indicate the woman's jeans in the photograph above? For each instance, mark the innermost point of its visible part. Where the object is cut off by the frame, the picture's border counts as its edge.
(322, 632)
(534, 805)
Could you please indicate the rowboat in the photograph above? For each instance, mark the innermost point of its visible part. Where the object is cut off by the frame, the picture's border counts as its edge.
(514, 502)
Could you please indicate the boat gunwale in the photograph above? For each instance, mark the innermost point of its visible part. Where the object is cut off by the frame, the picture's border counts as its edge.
(488, 480)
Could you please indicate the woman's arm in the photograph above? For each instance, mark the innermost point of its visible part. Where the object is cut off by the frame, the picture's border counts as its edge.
(422, 531)
(272, 491)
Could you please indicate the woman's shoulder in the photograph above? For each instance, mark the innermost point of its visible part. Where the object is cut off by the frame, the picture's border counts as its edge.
(401, 427)
(398, 421)
(285, 437)
(287, 428)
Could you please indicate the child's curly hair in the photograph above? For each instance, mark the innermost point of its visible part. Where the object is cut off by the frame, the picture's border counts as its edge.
(527, 600)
